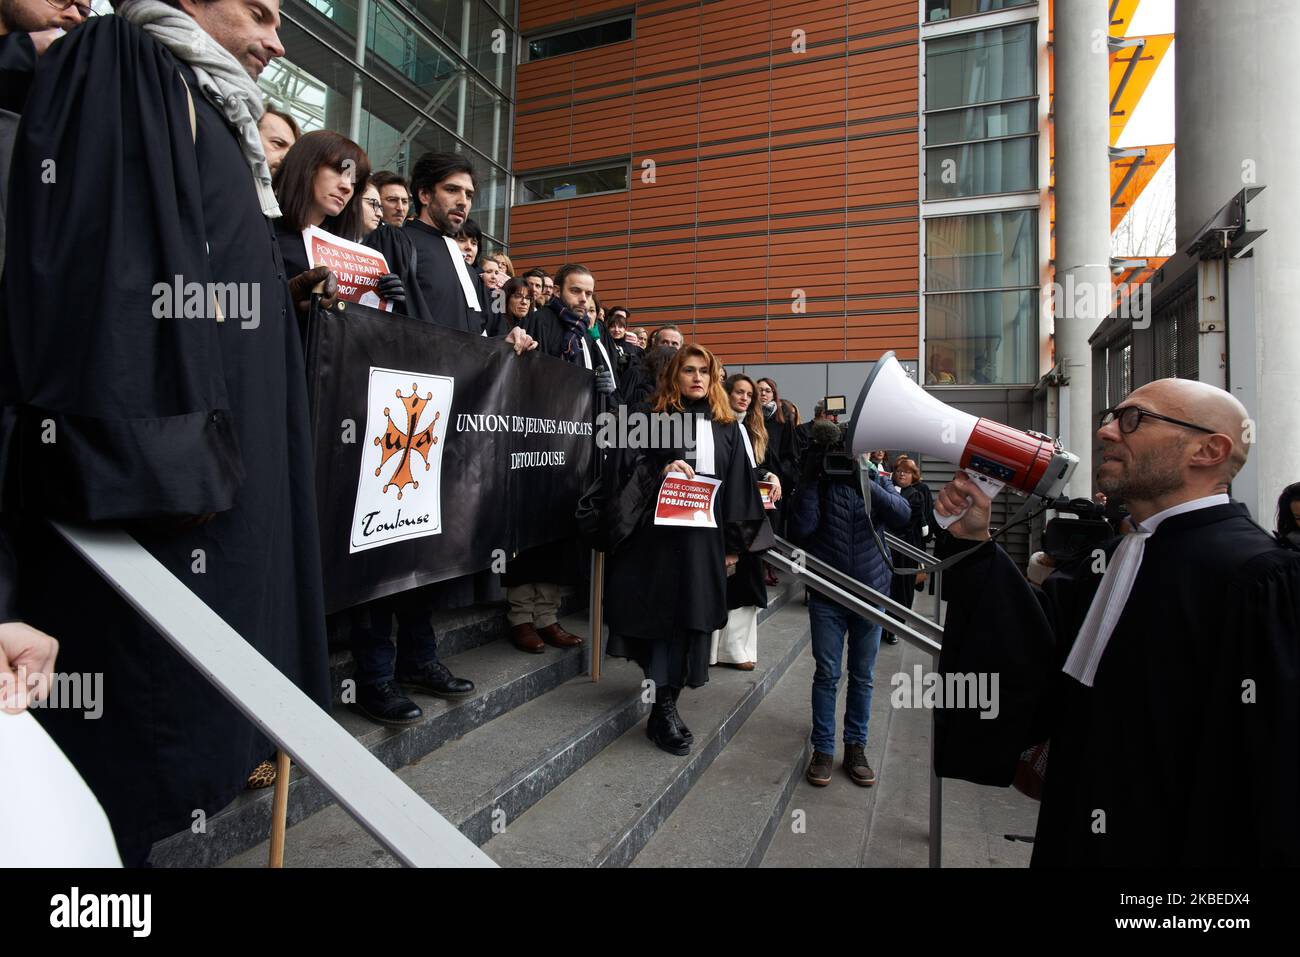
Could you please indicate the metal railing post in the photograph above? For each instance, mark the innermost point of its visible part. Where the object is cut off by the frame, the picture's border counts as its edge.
(380, 801)
(916, 629)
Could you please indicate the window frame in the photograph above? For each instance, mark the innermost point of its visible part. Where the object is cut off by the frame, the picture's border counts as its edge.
(522, 178)
(574, 26)
(926, 21)
(1035, 96)
(1032, 335)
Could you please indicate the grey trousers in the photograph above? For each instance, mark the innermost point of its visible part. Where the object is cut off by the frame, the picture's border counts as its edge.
(537, 604)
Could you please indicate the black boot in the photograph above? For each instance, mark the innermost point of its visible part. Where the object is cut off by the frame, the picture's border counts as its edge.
(663, 731)
(675, 716)
(386, 704)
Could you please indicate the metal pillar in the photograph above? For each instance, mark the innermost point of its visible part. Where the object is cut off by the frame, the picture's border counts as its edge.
(1082, 129)
(363, 17)
(1236, 127)
(462, 93)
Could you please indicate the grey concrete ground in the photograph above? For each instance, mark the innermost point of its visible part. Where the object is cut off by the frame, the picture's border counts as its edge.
(888, 825)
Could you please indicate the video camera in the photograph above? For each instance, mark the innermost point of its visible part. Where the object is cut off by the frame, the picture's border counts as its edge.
(828, 453)
(1069, 539)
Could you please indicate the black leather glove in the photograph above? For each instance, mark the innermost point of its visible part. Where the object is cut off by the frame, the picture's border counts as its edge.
(391, 288)
(301, 286)
(605, 382)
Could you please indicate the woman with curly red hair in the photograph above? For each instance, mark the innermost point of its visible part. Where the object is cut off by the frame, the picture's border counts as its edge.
(667, 584)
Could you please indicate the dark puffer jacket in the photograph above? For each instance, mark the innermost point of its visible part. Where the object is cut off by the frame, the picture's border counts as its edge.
(827, 519)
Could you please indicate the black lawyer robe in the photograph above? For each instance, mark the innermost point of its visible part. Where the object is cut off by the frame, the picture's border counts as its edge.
(439, 284)
(1185, 749)
(17, 65)
(399, 252)
(666, 580)
(153, 417)
(745, 586)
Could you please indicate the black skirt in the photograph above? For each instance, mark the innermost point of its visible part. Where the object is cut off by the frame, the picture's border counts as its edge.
(681, 661)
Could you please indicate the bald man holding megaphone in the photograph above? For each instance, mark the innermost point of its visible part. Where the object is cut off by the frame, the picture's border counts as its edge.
(1161, 668)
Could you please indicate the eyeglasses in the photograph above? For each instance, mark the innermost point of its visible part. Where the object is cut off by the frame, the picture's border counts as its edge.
(82, 8)
(1131, 416)
(374, 204)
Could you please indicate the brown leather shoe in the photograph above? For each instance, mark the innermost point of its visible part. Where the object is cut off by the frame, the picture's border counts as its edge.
(557, 636)
(526, 638)
(746, 666)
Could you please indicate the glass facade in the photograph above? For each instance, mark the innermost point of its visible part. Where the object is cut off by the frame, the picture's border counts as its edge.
(981, 139)
(936, 10)
(981, 113)
(434, 75)
(570, 183)
(981, 298)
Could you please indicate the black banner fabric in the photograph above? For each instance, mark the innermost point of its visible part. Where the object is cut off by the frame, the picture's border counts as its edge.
(438, 453)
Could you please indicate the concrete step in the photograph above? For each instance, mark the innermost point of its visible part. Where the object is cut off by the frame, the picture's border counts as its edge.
(504, 679)
(493, 774)
(606, 812)
(731, 815)
(458, 631)
(828, 826)
(888, 825)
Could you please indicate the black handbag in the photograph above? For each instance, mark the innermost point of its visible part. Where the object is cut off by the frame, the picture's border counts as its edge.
(607, 519)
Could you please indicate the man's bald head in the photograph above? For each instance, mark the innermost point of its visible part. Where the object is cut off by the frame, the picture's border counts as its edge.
(1163, 463)
(1205, 405)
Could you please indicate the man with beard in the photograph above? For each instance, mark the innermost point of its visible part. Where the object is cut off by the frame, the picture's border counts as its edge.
(1161, 669)
(185, 422)
(442, 185)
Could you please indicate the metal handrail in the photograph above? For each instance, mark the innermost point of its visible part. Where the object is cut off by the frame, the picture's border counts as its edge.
(932, 631)
(911, 551)
(861, 599)
(380, 801)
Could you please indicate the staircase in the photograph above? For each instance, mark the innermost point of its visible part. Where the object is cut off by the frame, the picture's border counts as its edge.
(543, 768)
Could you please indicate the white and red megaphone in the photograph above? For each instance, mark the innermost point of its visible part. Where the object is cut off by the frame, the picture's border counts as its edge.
(893, 412)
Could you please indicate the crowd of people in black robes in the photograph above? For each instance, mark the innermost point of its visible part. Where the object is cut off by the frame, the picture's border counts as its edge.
(194, 437)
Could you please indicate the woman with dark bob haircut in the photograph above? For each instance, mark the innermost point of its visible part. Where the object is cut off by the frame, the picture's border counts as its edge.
(322, 182)
(667, 584)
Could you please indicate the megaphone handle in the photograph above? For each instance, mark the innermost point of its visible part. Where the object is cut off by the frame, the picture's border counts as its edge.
(990, 487)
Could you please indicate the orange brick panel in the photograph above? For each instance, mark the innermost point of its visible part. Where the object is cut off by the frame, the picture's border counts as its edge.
(535, 14)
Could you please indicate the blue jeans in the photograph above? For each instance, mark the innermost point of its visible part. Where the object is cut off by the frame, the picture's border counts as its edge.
(830, 622)
(376, 657)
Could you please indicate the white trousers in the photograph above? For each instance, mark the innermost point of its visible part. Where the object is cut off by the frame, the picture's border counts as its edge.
(737, 641)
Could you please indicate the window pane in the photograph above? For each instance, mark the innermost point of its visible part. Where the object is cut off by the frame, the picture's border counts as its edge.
(566, 185)
(583, 38)
(980, 67)
(984, 251)
(977, 338)
(945, 9)
(977, 169)
(317, 84)
(980, 123)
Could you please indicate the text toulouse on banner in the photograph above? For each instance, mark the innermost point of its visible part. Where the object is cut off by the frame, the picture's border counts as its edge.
(438, 453)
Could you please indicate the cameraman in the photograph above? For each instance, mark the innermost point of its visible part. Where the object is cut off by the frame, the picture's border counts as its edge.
(830, 520)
